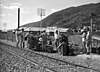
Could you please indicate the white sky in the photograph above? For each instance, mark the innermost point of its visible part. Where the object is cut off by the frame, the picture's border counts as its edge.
(8, 10)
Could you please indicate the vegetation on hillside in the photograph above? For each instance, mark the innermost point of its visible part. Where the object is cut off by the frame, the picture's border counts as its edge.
(72, 17)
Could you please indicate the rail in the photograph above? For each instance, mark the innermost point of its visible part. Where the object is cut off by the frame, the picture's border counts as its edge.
(51, 58)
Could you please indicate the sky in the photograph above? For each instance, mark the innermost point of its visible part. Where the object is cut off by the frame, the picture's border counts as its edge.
(28, 10)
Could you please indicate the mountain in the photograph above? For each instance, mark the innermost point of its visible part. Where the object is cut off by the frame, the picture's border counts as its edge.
(72, 17)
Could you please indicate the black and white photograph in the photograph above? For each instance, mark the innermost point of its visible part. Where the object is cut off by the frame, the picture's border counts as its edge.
(49, 35)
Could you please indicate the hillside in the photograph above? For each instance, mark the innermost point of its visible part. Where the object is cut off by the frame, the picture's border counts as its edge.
(72, 17)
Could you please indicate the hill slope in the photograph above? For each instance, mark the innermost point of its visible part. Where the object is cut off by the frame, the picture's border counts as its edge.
(72, 17)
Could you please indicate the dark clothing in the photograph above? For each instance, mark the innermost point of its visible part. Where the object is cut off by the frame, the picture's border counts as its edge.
(31, 41)
(19, 39)
(22, 39)
(57, 42)
(44, 36)
(64, 39)
(65, 45)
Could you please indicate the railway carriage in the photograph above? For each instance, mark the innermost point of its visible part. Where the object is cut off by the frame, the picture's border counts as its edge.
(96, 45)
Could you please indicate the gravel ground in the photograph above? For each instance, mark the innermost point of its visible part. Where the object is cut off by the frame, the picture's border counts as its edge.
(90, 61)
(12, 63)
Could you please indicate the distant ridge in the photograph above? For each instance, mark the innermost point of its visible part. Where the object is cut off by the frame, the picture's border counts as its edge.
(71, 17)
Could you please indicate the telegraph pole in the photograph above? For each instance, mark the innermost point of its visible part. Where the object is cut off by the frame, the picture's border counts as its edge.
(41, 13)
(41, 19)
(91, 31)
(18, 18)
(91, 21)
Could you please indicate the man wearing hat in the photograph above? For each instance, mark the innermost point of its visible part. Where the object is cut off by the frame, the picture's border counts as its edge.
(88, 41)
(84, 33)
(17, 37)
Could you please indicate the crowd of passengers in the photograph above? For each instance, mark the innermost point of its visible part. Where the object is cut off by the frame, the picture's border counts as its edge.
(43, 40)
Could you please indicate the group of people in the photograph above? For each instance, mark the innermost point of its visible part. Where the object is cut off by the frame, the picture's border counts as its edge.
(86, 39)
(61, 42)
(29, 40)
(19, 37)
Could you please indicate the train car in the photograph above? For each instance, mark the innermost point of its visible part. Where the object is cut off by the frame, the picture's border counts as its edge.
(96, 45)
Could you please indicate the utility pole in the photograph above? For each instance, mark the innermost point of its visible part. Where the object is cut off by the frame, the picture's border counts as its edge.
(91, 21)
(91, 30)
(18, 18)
(41, 13)
(41, 19)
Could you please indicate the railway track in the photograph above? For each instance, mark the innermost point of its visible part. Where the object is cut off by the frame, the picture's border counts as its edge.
(53, 64)
(45, 69)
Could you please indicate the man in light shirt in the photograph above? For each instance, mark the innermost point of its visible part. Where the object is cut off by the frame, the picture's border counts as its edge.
(88, 41)
(17, 37)
(44, 37)
(56, 36)
(84, 33)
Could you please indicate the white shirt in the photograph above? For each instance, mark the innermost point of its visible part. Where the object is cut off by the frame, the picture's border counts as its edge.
(56, 36)
(88, 36)
(84, 36)
(16, 35)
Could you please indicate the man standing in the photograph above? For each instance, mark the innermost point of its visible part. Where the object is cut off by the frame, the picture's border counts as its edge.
(21, 38)
(17, 37)
(31, 40)
(56, 35)
(26, 40)
(44, 36)
(84, 33)
(88, 41)
(64, 45)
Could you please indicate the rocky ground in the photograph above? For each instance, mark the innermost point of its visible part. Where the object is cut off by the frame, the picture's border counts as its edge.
(11, 63)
